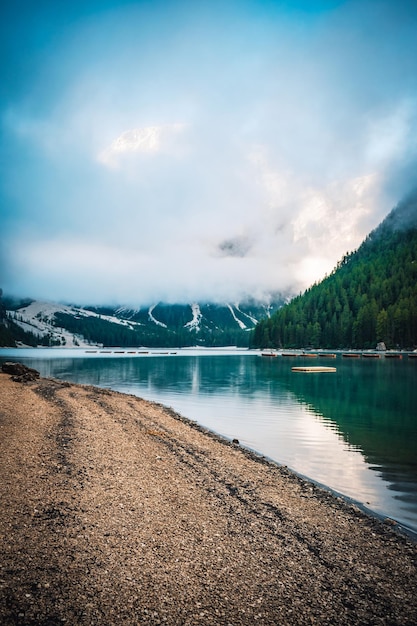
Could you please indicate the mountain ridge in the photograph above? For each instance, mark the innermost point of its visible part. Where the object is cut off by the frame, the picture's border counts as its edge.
(155, 325)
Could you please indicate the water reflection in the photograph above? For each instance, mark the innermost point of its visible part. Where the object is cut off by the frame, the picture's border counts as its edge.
(354, 430)
(373, 406)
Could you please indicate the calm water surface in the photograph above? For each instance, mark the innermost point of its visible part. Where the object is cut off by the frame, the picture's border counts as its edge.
(354, 430)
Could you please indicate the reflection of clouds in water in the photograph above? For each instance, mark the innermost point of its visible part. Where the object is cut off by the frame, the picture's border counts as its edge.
(286, 432)
(322, 453)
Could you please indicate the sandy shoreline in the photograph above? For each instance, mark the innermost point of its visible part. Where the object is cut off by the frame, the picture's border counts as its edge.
(115, 510)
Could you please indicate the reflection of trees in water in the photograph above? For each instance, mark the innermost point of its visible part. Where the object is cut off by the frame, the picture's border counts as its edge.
(373, 408)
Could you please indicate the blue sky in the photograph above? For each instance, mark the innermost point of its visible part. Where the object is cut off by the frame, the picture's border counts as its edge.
(184, 151)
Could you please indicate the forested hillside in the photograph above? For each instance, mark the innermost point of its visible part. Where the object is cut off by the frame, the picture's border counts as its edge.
(370, 297)
(12, 334)
(160, 325)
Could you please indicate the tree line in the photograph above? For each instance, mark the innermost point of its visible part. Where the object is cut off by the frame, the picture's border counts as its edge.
(370, 297)
(97, 330)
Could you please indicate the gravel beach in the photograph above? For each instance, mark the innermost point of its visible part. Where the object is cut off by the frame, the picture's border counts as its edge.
(115, 510)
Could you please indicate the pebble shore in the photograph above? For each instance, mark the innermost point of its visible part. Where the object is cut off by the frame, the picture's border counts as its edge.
(118, 511)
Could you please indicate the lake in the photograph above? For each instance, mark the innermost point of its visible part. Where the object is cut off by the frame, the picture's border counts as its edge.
(354, 430)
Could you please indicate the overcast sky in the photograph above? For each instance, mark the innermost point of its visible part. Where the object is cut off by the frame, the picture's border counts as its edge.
(201, 150)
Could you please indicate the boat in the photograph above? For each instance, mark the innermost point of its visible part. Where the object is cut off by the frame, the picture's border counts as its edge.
(327, 355)
(268, 354)
(351, 355)
(371, 355)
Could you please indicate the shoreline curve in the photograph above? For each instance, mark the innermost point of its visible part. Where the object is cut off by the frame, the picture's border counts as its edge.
(119, 510)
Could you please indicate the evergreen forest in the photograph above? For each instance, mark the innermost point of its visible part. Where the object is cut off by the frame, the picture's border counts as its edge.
(370, 297)
(150, 335)
(171, 325)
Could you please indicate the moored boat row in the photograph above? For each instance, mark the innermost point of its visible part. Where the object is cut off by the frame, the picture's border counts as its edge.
(357, 354)
(349, 354)
(129, 352)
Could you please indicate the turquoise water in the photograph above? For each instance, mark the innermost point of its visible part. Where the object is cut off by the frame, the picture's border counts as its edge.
(354, 430)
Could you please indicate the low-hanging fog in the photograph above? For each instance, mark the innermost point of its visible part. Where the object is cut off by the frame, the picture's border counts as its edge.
(183, 151)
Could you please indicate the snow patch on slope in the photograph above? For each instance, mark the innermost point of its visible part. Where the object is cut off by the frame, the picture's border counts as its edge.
(39, 318)
(252, 319)
(194, 324)
(108, 318)
(153, 319)
(241, 324)
(126, 312)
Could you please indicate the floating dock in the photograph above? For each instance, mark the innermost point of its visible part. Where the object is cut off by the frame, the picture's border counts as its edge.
(312, 369)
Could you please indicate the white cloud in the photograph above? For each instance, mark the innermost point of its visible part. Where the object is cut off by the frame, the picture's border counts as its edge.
(188, 154)
(146, 140)
(333, 220)
(391, 134)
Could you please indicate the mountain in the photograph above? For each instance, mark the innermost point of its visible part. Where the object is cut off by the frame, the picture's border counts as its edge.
(370, 297)
(159, 325)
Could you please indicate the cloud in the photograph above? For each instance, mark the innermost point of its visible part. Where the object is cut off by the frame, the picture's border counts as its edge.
(200, 151)
(236, 247)
(99, 273)
(148, 140)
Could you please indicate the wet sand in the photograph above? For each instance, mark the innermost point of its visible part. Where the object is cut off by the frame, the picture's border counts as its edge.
(115, 510)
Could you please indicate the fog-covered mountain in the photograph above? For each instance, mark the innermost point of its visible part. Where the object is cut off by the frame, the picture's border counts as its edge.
(370, 298)
(206, 324)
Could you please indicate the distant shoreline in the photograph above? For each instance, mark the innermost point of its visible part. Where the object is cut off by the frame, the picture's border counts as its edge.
(319, 352)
